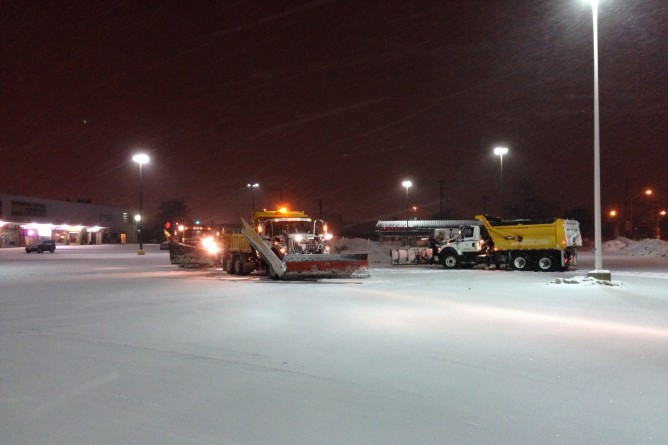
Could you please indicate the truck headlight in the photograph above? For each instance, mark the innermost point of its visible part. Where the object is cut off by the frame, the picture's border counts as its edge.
(210, 246)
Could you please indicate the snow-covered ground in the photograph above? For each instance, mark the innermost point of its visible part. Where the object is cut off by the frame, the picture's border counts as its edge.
(100, 345)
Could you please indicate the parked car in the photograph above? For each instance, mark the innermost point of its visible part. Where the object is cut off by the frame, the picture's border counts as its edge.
(41, 246)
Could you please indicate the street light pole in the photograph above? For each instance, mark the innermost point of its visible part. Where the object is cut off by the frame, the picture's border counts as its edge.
(598, 273)
(252, 186)
(647, 192)
(615, 222)
(500, 151)
(408, 184)
(140, 159)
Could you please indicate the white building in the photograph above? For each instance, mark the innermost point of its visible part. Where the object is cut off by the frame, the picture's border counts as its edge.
(24, 220)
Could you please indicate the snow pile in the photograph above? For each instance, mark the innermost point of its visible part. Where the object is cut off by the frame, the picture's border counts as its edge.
(586, 281)
(378, 253)
(648, 247)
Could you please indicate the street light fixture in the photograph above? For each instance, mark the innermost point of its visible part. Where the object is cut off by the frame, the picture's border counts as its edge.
(252, 186)
(598, 271)
(408, 184)
(615, 222)
(500, 151)
(140, 159)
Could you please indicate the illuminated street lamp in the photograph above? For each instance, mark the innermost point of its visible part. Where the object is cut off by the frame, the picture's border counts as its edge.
(613, 219)
(408, 184)
(647, 192)
(252, 186)
(598, 252)
(500, 151)
(140, 159)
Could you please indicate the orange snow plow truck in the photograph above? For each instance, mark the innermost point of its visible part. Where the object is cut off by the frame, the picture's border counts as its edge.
(288, 245)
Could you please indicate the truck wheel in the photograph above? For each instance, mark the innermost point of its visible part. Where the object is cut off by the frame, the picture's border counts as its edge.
(238, 266)
(228, 265)
(545, 263)
(521, 262)
(245, 265)
(449, 259)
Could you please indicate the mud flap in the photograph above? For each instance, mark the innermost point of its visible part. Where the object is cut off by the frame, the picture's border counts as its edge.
(185, 255)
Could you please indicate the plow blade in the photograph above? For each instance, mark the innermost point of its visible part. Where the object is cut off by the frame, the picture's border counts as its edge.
(307, 266)
(301, 267)
(188, 256)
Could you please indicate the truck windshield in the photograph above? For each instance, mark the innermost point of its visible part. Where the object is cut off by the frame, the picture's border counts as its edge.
(291, 227)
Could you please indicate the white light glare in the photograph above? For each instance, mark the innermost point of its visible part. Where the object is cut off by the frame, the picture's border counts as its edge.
(210, 245)
(140, 158)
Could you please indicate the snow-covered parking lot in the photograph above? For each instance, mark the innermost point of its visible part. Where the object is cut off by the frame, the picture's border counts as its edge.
(99, 345)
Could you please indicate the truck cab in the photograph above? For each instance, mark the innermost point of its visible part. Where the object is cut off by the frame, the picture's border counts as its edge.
(291, 232)
(463, 247)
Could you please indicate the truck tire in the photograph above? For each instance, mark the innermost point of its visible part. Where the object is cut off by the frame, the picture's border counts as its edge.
(228, 265)
(545, 263)
(521, 261)
(246, 265)
(238, 265)
(449, 259)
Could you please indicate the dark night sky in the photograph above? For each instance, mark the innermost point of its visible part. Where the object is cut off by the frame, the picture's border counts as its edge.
(331, 100)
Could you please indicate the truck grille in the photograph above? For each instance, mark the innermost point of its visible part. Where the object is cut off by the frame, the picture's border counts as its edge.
(305, 247)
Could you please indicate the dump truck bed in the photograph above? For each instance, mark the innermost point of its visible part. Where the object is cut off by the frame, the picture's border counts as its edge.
(552, 234)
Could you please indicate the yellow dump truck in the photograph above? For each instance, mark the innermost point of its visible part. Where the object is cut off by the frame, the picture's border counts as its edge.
(543, 245)
(288, 245)
(532, 244)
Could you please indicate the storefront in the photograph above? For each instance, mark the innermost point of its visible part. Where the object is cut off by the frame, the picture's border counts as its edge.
(24, 220)
(20, 235)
